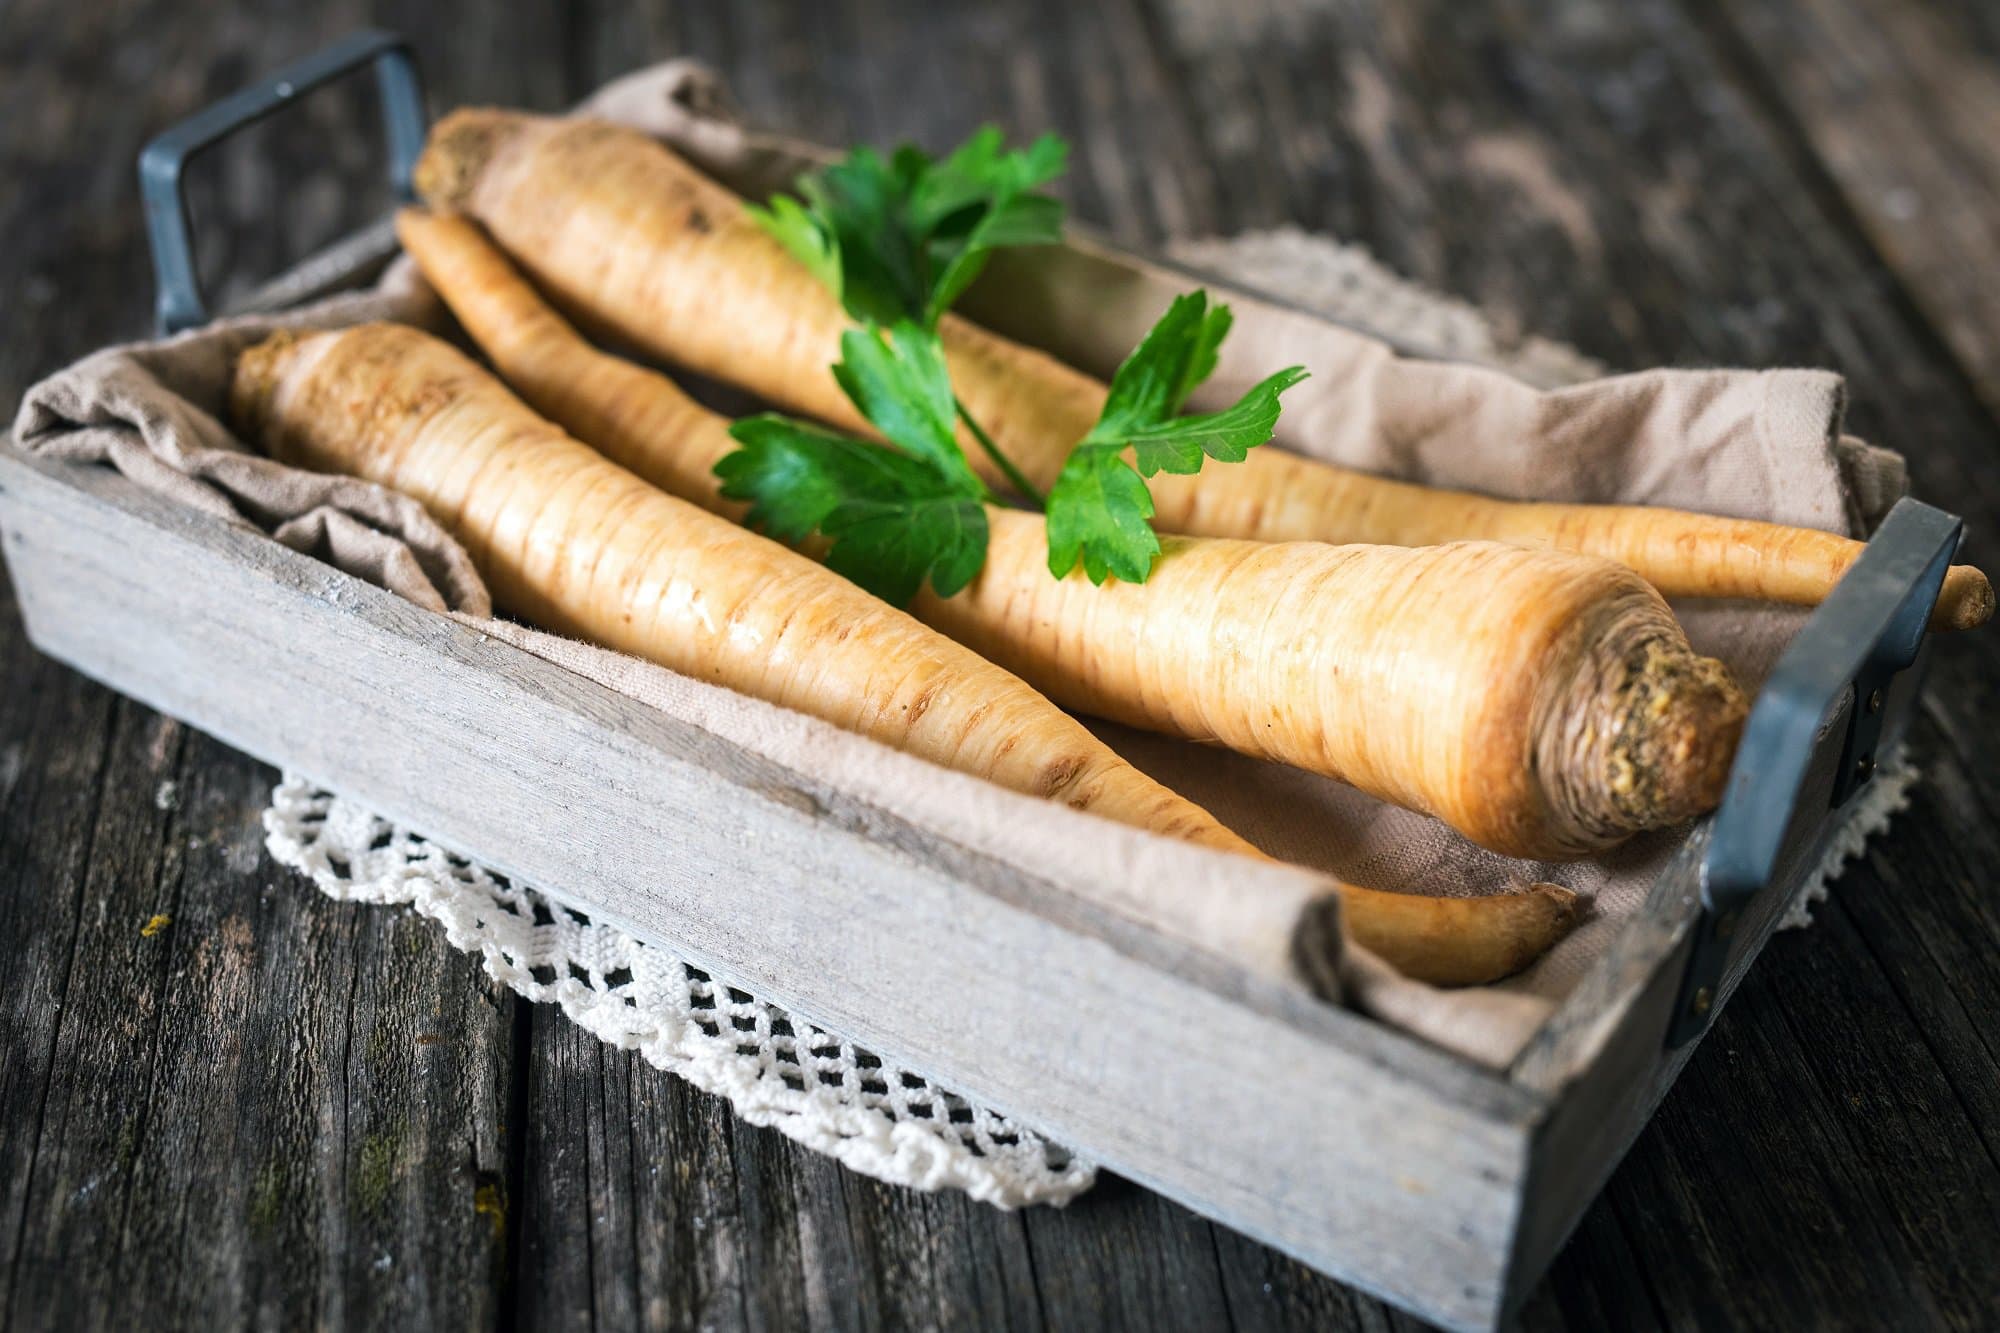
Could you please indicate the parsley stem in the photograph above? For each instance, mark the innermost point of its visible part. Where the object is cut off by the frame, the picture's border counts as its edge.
(1006, 465)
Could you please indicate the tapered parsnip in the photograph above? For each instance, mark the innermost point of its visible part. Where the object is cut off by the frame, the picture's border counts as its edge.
(1543, 703)
(578, 544)
(573, 542)
(633, 241)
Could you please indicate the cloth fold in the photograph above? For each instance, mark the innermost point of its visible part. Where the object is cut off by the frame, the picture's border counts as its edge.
(155, 412)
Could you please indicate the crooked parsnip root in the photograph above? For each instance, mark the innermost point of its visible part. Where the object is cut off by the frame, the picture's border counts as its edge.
(1545, 704)
(632, 241)
(573, 542)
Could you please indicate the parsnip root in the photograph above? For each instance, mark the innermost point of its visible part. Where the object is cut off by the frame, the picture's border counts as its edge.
(632, 241)
(576, 544)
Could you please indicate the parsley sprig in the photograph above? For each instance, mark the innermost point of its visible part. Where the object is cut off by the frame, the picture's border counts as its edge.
(896, 516)
(898, 239)
(1099, 508)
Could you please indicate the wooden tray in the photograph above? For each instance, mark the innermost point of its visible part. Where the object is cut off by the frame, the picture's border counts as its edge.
(1424, 1179)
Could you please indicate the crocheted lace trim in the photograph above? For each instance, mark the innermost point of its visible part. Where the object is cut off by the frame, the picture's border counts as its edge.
(809, 1084)
(1884, 798)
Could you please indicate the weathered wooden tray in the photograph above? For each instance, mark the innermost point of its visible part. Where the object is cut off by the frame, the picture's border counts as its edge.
(1431, 1182)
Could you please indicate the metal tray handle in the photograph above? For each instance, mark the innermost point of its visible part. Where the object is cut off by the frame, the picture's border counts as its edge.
(179, 304)
(1868, 630)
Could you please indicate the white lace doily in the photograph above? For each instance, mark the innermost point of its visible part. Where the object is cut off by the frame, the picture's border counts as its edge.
(801, 1080)
(1887, 796)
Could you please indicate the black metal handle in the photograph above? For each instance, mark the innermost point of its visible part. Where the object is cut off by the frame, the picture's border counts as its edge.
(1869, 629)
(179, 304)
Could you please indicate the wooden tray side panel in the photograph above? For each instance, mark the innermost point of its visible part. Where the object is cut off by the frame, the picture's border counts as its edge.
(1602, 1061)
(1357, 1151)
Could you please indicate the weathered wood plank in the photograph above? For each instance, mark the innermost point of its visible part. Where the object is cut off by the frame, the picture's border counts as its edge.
(1927, 913)
(1898, 101)
(257, 1103)
(647, 1204)
(893, 1258)
(1122, 1258)
(87, 1132)
(55, 751)
(1598, 1282)
(323, 1151)
(270, 1108)
(57, 732)
(1760, 1177)
(1897, 1105)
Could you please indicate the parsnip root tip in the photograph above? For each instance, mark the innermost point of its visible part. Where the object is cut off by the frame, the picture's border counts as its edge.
(1460, 941)
(1542, 915)
(1568, 904)
(1687, 735)
(1965, 602)
(255, 374)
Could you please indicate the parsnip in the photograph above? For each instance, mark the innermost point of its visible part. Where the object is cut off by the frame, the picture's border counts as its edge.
(632, 241)
(1543, 703)
(577, 544)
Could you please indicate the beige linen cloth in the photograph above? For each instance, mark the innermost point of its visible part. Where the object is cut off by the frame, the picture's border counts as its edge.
(1764, 444)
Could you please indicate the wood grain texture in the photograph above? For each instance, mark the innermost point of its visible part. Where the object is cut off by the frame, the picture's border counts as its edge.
(257, 1164)
(1624, 176)
(176, 1148)
(1897, 101)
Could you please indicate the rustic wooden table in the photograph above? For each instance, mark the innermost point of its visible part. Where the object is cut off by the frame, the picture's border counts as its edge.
(282, 1110)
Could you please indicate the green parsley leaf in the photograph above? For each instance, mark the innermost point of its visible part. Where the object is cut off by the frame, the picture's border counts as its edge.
(981, 169)
(890, 547)
(894, 521)
(1179, 445)
(800, 232)
(901, 237)
(1099, 508)
(1170, 362)
(980, 199)
(901, 385)
(862, 203)
(1143, 407)
(1099, 511)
